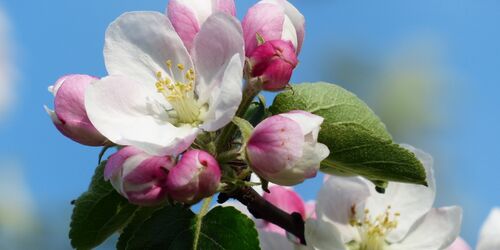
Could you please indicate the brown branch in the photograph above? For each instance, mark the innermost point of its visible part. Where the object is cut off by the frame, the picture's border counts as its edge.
(262, 209)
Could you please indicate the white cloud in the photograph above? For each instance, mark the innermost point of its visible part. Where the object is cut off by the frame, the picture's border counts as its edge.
(7, 70)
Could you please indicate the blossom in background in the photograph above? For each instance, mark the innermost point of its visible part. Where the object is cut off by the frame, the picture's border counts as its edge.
(7, 67)
(188, 16)
(352, 215)
(459, 244)
(289, 142)
(158, 97)
(489, 236)
(138, 176)
(69, 114)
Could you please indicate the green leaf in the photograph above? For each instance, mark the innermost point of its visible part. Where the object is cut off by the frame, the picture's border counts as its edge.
(173, 227)
(245, 127)
(98, 213)
(140, 215)
(256, 112)
(358, 141)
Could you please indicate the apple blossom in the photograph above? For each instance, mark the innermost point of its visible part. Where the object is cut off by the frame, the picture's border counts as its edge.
(488, 237)
(187, 16)
(283, 148)
(273, 20)
(459, 244)
(139, 177)
(69, 114)
(196, 176)
(273, 62)
(352, 215)
(157, 96)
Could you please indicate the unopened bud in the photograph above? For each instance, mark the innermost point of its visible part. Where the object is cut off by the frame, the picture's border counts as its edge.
(196, 176)
(139, 177)
(69, 114)
(283, 148)
(274, 62)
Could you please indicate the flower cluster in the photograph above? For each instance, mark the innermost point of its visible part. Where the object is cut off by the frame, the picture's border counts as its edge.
(176, 77)
(174, 99)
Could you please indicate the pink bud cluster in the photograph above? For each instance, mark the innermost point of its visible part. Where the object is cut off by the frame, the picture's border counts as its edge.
(149, 180)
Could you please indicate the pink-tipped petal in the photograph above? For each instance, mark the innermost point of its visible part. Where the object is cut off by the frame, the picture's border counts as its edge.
(274, 143)
(264, 20)
(287, 200)
(116, 160)
(139, 177)
(184, 21)
(226, 6)
(459, 244)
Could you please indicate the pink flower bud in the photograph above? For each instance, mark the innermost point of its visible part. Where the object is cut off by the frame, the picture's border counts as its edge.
(197, 175)
(187, 16)
(273, 20)
(70, 116)
(274, 62)
(283, 149)
(139, 177)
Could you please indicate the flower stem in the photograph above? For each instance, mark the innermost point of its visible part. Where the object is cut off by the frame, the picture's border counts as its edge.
(262, 209)
(252, 89)
(203, 211)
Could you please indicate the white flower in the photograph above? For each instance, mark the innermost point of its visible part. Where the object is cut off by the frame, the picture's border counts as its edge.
(488, 237)
(157, 96)
(352, 215)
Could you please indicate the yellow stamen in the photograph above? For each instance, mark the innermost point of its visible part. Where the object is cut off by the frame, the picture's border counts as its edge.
(179, 93)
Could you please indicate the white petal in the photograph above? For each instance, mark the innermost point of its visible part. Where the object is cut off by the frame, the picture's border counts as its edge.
(52, 115)
(201, 9)
(225, 96)
(435, 231)
(411, 201)
(139, 43)
(336, 200)
(489, 238)
(218, 41)
(323, 235)
(239, 206)
(273, 241)
(289, 32)
(128, 113)
(309, 123)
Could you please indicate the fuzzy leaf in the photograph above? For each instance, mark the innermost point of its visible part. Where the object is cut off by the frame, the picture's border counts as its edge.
(98, 213)
(174, 228)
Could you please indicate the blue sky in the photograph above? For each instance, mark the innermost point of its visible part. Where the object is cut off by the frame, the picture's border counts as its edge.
(58, 37)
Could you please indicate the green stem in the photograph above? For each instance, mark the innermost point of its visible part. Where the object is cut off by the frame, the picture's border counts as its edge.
(252, 89)
(203, 211)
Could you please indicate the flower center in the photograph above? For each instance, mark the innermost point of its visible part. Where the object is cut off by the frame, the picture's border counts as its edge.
(180, 94)
(373, 229)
